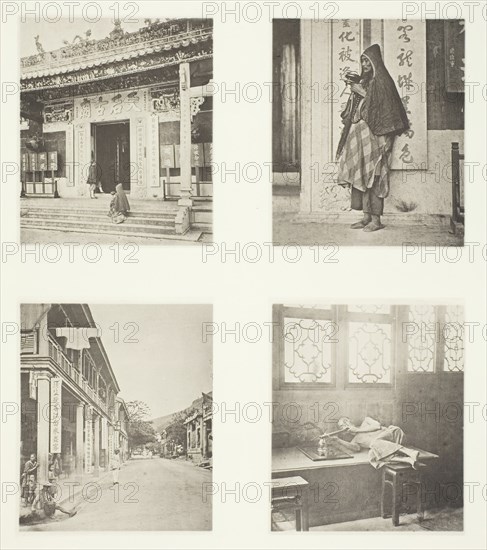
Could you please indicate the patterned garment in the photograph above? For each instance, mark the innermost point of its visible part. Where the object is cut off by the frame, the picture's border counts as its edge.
(364, 157)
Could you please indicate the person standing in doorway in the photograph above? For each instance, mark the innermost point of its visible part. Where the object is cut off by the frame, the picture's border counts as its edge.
(93, 180)
(115, 466)
(374, 116)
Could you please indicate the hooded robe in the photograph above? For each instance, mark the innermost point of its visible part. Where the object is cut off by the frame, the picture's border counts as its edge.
(121, 203)
(380, 116)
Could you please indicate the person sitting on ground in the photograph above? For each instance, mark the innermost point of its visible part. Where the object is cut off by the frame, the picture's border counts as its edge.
(384, 443)
(119, 205)
(45, 499)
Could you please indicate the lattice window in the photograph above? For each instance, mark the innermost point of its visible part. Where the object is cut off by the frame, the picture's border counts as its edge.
(369, 308)
(435, 337)
(308, 350)
(421, 334)
(453, 336)
(326, 307)
(369, 353)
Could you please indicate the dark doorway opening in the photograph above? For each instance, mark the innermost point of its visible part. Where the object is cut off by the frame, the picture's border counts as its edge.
(112, 154)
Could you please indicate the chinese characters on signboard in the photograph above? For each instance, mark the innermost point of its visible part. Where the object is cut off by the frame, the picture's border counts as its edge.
(88, 439)
(405, 59)
(55, 409)
(346, 39)
(109, 106)
(455, 55)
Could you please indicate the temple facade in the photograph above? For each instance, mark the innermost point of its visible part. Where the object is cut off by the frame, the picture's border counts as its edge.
(69, 393)
(136, 103)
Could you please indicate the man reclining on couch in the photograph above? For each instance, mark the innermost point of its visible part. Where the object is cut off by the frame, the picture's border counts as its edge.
(384, 444)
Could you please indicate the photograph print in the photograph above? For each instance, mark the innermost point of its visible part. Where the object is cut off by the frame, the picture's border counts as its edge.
(116, 431)
(116, 130)
(368, 131)
(367, 430)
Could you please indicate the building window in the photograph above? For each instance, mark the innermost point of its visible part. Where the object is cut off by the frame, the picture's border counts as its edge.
(369, 353)
(421, 335)
(307, 351)
(323, 344)
(368, 334)
(435, 336)
(453, 335)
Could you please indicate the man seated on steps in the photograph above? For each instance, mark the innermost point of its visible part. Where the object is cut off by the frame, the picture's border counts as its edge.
(384, 444)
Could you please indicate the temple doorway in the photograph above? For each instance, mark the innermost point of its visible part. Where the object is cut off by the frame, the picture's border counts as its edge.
(112, 154)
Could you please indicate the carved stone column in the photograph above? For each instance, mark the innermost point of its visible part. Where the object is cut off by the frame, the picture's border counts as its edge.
(185, 136)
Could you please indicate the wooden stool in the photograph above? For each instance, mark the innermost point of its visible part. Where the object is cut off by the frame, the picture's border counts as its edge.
(397, 476)
(292, 493)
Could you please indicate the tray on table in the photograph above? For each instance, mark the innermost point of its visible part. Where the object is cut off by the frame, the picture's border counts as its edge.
(311, 452)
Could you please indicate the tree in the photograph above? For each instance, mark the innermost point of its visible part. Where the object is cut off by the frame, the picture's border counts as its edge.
(140, 430)
(176, 431)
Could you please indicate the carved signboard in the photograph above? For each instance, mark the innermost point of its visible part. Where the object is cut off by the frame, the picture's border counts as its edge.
(56, 416)
(25, 162)
(346, 40)
(33, 162)
(52, 160)
(88, 439)
(42, 158)
(405, 59)
(113, 106)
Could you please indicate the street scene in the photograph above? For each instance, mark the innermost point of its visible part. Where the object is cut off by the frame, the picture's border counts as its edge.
(116, 426)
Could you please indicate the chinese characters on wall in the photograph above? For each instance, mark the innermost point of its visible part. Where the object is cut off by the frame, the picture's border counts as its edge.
(405, 59)
(346, 40)
(110, 106)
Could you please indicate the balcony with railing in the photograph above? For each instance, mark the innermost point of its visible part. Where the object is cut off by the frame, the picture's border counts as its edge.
(60, 358)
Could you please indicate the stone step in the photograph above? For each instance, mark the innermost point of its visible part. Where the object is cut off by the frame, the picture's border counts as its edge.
(191, 235)
(166, 213)
(205, 227)
(96, 226)
(166, 220)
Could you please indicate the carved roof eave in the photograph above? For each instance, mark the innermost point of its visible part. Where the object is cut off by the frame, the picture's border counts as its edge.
(127, 54)
(125, 73)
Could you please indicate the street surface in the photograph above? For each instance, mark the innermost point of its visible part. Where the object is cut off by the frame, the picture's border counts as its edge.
(154, 495)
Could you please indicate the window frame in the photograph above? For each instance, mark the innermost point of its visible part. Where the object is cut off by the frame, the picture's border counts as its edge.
(340, 315)
(315, 315)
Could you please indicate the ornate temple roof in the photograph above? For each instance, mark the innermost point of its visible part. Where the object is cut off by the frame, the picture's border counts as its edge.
(120, 49)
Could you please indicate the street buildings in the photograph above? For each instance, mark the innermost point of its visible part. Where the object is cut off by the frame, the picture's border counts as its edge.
(199, 431)
(70, 400)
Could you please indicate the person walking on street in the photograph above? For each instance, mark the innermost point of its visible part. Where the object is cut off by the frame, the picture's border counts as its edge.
(115, 466)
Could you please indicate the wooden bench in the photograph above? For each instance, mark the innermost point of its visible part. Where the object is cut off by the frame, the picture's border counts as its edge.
(292, 493)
